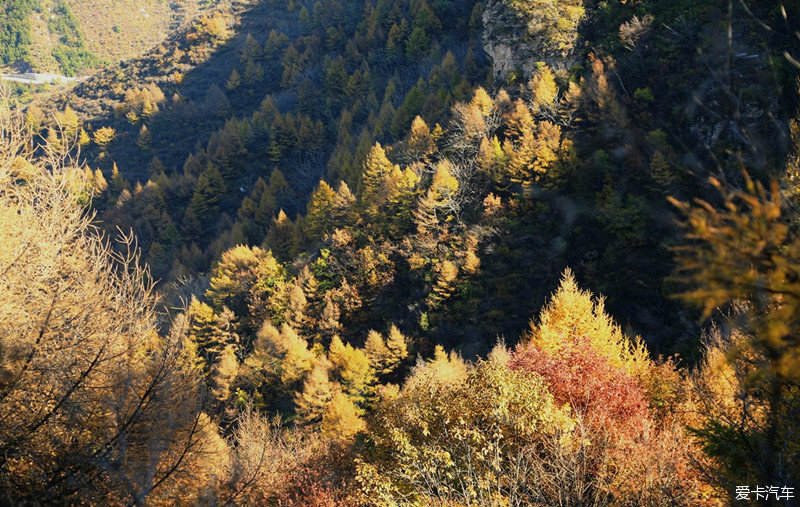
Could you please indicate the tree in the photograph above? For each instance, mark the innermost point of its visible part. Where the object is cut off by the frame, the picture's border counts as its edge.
(386, 355)
(203, 331)
(96, 405)
(144, 138)
(234, 80)
(317, 393)
(282, 237)
(319, 210)
(376, 166)
(434, 434)
(354, 371)
(397, 345)
(376, 350)
(745, 254)
(252, 283)
(103, 136)
(418, 43)
(341, 418)
(118, 182)
(208, 193)
(328, 325)
(421, 143)
(296, 307)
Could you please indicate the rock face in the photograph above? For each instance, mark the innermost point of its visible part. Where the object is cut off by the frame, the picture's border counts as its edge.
(518, 34)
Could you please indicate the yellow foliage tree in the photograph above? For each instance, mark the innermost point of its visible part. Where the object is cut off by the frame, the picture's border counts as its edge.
(573, 312)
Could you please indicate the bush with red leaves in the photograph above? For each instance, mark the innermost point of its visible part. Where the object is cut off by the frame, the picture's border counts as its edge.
(604, 395)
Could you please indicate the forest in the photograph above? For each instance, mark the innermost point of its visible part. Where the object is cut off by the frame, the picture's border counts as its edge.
(404, 252)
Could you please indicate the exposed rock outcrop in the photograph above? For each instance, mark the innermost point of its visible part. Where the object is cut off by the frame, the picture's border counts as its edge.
(520, 33)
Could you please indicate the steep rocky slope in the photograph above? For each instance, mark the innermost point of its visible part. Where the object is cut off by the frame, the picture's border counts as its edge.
(520, 34)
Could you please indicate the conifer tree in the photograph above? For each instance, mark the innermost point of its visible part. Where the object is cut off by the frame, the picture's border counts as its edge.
(397, 346)
(222, 374)
(420, 144)
(205, 333)
(341, 418)
(328, 325)
(425, 215)
(418, 43)
(377, 351)
(376, 166)
(84, 139)
(208, 193)
(282, 238)
(103, 136)
(251, 49)
(296, 307)
(234, 80)
(342, 205)
(445, 280)
(144, 138)
(118, 182)
(354, 371)
(320, 206)
(317, 393)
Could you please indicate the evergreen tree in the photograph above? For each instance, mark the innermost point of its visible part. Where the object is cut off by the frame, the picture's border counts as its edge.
(118, 182)
(317, 393)
(377, 352)
(354, 372)
(397, 347)
(208, 193)
(418, 43)
(319, 211)
(296, 307)
(282, 238)
(234, 80)
(341, 418)
(328, 325)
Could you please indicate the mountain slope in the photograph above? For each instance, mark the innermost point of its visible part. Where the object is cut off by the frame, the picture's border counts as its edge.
(74, 36)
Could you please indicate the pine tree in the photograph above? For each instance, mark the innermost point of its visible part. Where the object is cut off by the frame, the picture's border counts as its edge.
(544, 91)
(84, 139)
(420, 144)
(144, 138)
(208, 193)
(328, 325)
(342, 206)
(319, 211)
(118, 182)
(317, 393)
(103, 136)
(425, 216)
(253, 73)
(418, 43)
(204, 332)
(251, 49)
(397, 347)
(296, 307)
(222, 374)
(282, 237)
(234, 80)
(377, 352)
(445, 280)
(375, 167)
(156, 167)
(297, 360)
(341, 419)
(355, 373)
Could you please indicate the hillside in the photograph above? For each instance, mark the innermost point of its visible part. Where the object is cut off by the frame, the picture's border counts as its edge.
(406, 253)
(74, 36)
(279, 95)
